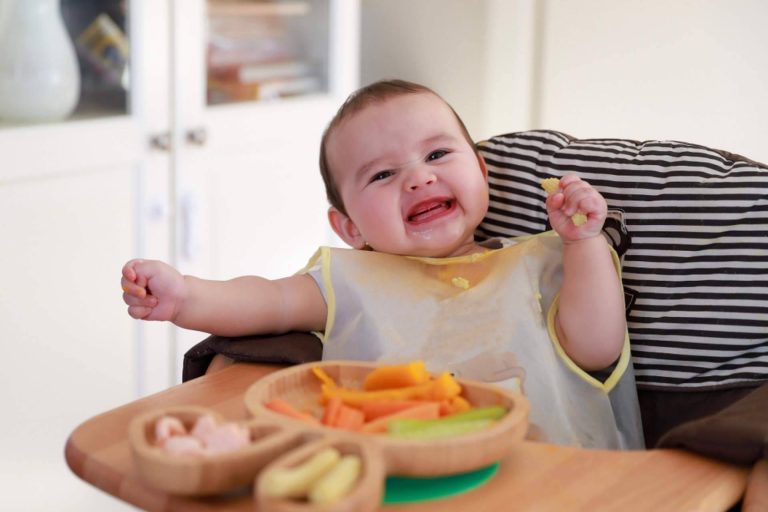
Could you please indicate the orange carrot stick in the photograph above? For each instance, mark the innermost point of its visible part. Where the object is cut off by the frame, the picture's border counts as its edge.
(423, 411)
(283, 407)
(374, 409)
(331, 412)
(349, 418)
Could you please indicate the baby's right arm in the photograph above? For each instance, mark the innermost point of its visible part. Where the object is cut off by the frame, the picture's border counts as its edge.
(244, 305)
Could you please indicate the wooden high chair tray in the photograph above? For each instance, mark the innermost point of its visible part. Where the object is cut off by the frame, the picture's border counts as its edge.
(534, 476)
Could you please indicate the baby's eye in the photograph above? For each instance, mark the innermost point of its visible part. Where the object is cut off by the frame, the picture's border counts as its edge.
(435, 155)
(381, 175)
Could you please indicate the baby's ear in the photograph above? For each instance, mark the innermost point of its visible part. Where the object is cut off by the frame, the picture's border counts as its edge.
(345, 228)
(483, 167)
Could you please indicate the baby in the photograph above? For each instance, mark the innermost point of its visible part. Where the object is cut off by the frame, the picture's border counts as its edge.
(407, 190)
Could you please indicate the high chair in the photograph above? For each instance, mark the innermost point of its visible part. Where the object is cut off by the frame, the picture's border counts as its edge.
(690, 225)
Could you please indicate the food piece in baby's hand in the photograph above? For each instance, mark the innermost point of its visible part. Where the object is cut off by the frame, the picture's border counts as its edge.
(552, 185)
(579, 219)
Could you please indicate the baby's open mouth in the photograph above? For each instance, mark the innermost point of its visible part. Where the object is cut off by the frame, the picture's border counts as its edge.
(429, 210)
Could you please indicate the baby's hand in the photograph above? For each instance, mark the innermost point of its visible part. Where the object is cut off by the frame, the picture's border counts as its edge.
(152, 290)
(576, 210)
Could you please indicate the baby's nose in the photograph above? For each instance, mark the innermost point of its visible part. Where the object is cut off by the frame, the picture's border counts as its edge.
(420, 177)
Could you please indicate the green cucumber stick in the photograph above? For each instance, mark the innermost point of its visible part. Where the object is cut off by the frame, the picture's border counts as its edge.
(492, 412)
(441, 430)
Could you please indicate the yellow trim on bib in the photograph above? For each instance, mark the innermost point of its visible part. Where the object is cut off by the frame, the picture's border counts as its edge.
(617, 372)
(624, 357)
(323, 255)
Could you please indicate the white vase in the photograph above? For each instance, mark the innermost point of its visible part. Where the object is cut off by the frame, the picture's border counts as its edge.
(39, 75)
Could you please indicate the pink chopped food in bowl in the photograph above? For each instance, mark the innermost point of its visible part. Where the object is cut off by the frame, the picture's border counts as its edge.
(206, 437)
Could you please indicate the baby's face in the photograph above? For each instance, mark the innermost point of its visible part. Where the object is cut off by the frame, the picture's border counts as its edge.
(410, 181)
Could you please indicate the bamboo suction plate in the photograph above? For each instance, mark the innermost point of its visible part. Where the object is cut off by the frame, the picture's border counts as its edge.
(300, 387)
(277, 441)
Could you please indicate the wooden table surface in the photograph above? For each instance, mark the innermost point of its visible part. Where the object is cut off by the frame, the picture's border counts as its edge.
(535, 476)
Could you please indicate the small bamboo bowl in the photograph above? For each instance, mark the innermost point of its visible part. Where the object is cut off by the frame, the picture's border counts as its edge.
(199, 475)
(365, 496)
(300, 387)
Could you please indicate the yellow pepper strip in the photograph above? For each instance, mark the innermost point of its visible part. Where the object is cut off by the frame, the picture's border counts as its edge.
(443, 387)
(396, 376)
(324, 377)
(458, 404)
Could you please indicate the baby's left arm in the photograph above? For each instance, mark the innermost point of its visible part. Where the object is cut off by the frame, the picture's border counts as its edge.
(590, 320)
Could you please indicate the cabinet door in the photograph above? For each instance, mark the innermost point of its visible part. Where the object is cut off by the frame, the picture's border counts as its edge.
(68, 347)
(250, 197)
(77, 199)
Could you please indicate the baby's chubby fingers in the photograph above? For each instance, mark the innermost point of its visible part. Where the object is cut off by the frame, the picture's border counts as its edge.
(134, 285)
(576, 210)
(564, 194)
(139, 312)
(131, 288)
(131, 275)
(140, 304)
(139, 299)
(151, 289)
(580, 196)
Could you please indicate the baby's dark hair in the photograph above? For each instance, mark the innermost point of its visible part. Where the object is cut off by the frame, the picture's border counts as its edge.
(357, 101)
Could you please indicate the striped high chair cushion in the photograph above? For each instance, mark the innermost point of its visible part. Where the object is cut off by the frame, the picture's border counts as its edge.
(691, 225)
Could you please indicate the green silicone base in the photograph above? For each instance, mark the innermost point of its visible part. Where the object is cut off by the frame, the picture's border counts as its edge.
(402, 489)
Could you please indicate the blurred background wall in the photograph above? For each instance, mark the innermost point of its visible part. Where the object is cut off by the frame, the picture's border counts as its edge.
(687, 70)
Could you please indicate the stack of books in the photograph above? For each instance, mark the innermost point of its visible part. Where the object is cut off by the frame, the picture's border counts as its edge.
(255, 53)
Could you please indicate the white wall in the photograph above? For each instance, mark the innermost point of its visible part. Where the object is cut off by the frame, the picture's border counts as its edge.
(692, 70)
(669, 69)
(438, 43)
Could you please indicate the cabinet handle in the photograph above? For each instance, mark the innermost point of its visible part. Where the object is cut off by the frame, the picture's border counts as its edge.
(189, 226)
(197, 136)
(160, 141)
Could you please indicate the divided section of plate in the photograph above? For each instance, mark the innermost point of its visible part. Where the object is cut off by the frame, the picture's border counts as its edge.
(299, 386)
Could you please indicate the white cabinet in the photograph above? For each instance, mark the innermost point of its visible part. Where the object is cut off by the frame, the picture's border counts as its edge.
(249, 194)
(229, 186)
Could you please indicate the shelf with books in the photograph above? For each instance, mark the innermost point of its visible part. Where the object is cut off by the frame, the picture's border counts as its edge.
(262, 51)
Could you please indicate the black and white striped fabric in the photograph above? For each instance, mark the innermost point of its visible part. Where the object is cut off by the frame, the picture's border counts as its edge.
(696, 269)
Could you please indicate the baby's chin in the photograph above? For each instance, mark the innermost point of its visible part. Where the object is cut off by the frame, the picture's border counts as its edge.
(434, 246)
